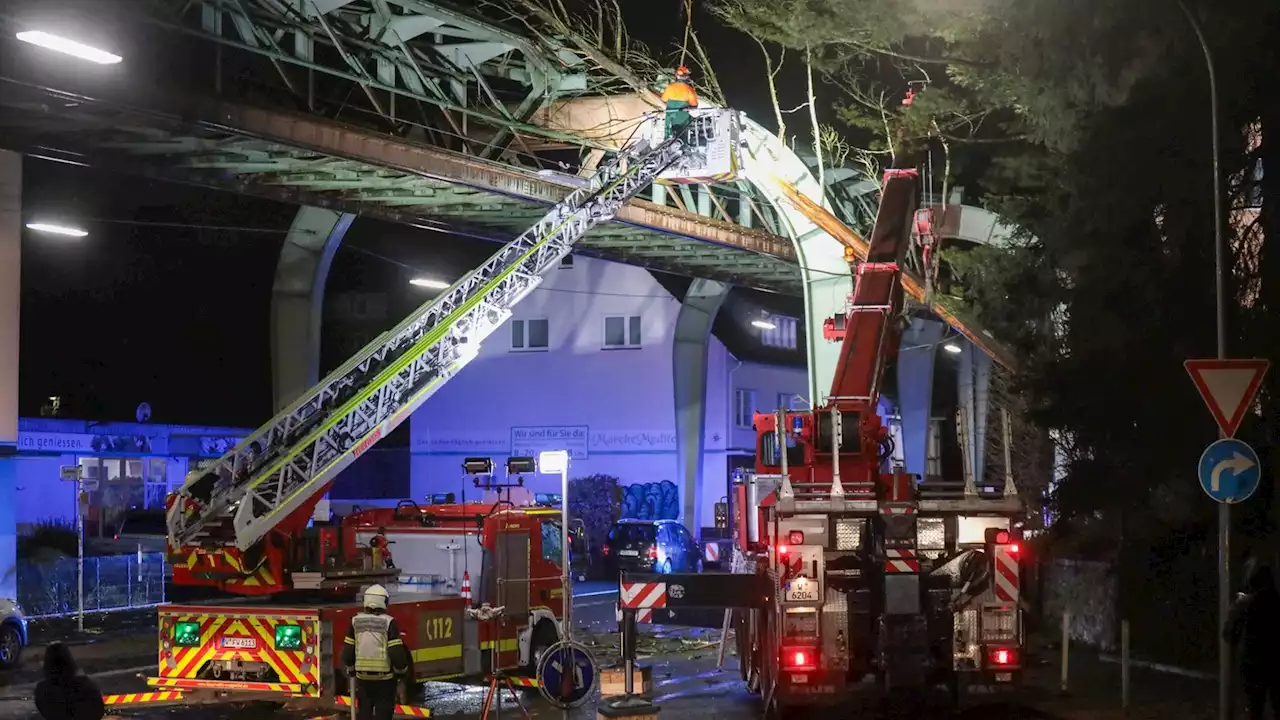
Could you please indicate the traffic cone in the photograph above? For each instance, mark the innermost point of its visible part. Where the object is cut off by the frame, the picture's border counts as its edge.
(466, 586)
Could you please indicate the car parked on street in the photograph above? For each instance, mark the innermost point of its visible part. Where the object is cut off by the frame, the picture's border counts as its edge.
(143, 530)
(13, 634)
(657, 546)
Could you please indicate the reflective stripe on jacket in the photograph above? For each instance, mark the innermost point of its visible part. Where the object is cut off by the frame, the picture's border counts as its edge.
(373, 641)
(383, 641)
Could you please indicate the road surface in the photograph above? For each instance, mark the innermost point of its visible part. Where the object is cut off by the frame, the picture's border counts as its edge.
(688, 686)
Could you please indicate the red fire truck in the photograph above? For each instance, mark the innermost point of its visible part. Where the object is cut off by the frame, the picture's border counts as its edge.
(269, 649)
(875, 579)
(242, 524)
(866, 578)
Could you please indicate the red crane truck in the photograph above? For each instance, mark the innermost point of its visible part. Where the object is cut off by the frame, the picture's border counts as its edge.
(875, 578)
(866, 579)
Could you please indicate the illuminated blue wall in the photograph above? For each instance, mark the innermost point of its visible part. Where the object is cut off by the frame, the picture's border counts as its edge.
(164, 453)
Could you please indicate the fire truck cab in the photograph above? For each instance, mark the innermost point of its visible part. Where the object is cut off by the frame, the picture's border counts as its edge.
(451, 548)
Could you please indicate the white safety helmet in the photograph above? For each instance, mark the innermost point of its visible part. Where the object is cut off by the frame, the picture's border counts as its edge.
(375, 598)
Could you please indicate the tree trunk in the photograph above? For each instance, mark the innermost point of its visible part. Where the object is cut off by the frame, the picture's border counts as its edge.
(817, 134)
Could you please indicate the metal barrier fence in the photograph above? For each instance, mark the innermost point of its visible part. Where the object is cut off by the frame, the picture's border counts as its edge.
(111, 582)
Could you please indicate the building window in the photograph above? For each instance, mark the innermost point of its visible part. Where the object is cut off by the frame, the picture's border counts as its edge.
(622, 332)
(744, 408)
(787, 401)
(566, 261)
(783, 334)
(530, 334)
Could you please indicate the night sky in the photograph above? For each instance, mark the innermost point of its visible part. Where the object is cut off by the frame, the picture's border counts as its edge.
(166, 301)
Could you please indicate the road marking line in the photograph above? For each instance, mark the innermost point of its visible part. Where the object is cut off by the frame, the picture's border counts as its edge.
(597, 593)
(124, 671)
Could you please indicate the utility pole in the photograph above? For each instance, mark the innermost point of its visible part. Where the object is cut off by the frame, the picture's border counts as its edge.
(1220, 296)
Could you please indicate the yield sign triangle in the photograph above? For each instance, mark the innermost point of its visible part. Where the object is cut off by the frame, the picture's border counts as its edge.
(1228, 387)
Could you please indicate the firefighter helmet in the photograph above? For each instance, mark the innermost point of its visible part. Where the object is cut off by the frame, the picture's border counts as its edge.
(682, 73)
(375, 598)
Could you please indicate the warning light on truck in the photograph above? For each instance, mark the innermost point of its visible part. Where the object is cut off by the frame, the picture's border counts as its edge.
(799, 659)
(288, 637)
(1002, 657)
(186, 634)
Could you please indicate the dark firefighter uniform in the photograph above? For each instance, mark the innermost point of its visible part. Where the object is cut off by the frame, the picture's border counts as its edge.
(376, 657)
(679, 98)
(1253, 629)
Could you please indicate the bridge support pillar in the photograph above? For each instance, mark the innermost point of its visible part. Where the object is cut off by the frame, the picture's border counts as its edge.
(973, 377)
(689, 374)
(919, 348)
(10, 300)
(297, 299)
(297, 304)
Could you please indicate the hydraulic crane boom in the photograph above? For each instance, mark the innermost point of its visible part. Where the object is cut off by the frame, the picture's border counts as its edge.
(869, 328)
(282, 469)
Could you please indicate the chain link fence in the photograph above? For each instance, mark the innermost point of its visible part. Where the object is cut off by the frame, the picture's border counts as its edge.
(111, 582)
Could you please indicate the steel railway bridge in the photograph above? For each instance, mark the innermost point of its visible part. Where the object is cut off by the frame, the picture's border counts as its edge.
(415, 112)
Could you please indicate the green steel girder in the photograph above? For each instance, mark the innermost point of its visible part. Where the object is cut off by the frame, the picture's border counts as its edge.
(303, 159)
(407, 50)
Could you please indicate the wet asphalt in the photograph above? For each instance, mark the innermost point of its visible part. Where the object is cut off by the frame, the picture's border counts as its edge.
(688, 685)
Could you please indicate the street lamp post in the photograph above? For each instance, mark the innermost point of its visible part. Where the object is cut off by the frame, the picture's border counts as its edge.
(1220, 289)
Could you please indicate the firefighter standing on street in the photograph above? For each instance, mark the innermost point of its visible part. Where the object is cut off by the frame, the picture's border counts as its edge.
(375, 656)
(679, 98)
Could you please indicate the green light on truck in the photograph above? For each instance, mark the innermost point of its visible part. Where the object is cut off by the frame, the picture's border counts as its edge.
(186, 634)
(288, 637)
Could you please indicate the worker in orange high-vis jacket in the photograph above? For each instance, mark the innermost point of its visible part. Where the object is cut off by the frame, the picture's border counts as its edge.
(679, 97)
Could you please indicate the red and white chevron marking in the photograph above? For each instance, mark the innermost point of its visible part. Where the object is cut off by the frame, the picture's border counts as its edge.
(642, 616)
(712, 552)
(901, 561)
(1008, 583)
(897, 510)
(643, 595)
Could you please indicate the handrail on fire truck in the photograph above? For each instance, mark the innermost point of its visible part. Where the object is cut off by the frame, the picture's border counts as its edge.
(288, 462)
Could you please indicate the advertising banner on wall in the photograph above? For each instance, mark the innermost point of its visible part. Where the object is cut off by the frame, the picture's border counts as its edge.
(581, 441)
(633, 441)
(55, 442)
(530, 440)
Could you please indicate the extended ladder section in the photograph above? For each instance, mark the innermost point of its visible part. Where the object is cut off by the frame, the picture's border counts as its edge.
(291, 460)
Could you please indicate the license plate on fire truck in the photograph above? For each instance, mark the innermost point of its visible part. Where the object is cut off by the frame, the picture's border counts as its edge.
(240, 643)
(802, 589)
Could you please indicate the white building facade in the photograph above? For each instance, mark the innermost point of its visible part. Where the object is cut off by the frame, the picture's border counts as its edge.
(586, 364)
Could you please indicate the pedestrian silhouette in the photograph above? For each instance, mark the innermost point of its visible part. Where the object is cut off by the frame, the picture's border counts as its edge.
(1253, 626)
(65, 694)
